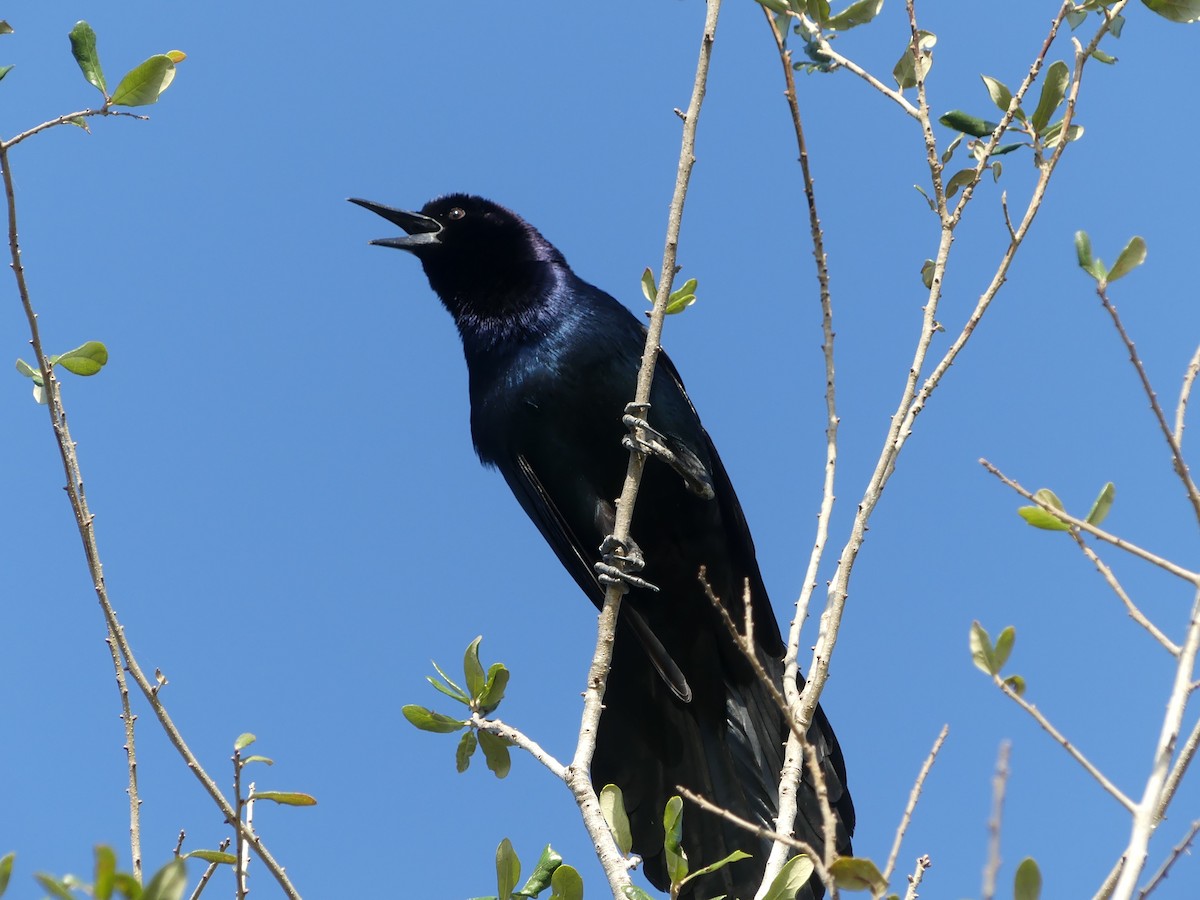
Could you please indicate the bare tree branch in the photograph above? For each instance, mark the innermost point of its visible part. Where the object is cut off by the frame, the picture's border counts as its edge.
(913, 796)
(999, 783)
(914, 880)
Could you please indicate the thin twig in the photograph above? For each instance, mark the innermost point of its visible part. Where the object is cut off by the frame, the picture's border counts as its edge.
(1177, 460)
(518, 739)
(1134, 613)
(578, 778)
(1083, 525)
(1177, 851)
(1185, 392)
(999, 783)
(914, 880)
(241, 853)
(1038, 717)
(758, 831)
(128, 719)
(69, 119)
(913, 796)
(913, 401)
(85, 523)
(791, 771)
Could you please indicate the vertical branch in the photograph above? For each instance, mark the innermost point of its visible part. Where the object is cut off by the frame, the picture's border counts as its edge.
(1147, 814)
(793, 754)
(999, 783)
(578, 779)
(135, 803)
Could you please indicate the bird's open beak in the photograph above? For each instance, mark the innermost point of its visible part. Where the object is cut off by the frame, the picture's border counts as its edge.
(422, 230)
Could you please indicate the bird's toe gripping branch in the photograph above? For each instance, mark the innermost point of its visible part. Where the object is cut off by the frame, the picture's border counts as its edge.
(646, 440)
(620, 561)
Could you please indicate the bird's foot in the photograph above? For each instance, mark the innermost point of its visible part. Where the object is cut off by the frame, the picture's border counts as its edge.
(621, 560)
(648, 441)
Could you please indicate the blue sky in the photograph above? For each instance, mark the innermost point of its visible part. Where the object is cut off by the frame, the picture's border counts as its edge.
(289, 510)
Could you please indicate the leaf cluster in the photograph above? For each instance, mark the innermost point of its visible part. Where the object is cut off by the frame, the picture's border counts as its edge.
(168, 883)
(140, 86)
(482, 696)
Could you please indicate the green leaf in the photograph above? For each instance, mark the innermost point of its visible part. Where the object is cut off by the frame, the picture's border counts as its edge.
(473, 669)
(920, 190)
(83, 48)
(950, 148)
(1054, 134)
(285, 798)
(213, 856)
(959, 179)
(677, 861)
(1007, 148)
(962, 121)
(735, 856)
(778, 6)
(53, 886)
(649, 288)
(1027, 885)
(104, 872)
(86, 359)
(4, 70)
(859, 13)
(449, 691)
(791, 878)
(493, 688)
(1131, 257)
(1101, 57)
(427, 720)
(982, 652)
(244, 741)
(495, 752)
(258, 759)
(508, 869)
(143, 84)
(566, 884)
(927, 270)
(612, 807)
(1003, 648)
(1076, 17)
(852, 873)
(1184, 11)
(542, 876)
(6, 865)
(1054, 88)
(29, 371)
(466, 749)
(905, 71)
(127, 886)
(1083, 250)
(462, 695)
(633, 892)
(168, 883)
(5, 28)
(1017, 684)
(1039, 517)
(1104, 501)
(998, 91)
(818, 10)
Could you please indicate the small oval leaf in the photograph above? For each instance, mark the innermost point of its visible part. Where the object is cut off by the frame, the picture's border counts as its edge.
(83, 48)
(143, 84)
(466, 749)
(852, 873)
(1131, 257)
(612, 807)
(982, 653)
(495, 753)
(1054, 88)
(1027, 885)
(285, 798)
(508, 869)
(244, 740)
(427, 720)
(213, 856)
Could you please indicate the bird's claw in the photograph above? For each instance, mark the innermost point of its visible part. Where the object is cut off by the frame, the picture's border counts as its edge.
(628, 559)
(648, 441)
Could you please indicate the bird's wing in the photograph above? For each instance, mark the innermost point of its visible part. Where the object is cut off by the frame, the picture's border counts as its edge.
(575, 557)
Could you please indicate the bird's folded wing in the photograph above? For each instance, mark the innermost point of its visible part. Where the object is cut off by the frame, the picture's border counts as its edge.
(578, 559)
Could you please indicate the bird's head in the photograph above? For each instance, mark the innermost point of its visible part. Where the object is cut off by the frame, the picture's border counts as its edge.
(480, 258)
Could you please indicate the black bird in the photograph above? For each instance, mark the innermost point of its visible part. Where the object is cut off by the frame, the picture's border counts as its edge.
(553, 361)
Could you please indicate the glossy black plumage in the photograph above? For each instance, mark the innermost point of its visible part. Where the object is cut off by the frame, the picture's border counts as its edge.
(552, 362)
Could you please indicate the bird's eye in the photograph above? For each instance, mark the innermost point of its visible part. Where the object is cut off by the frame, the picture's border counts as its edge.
(455, 214)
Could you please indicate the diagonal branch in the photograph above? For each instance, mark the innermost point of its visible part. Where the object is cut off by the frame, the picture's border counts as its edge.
(578, 778)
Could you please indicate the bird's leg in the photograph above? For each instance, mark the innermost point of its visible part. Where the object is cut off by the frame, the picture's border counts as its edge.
(646, 440)
(621, 561)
